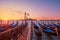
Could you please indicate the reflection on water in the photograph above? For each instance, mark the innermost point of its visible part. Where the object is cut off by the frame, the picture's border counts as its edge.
(43, 36)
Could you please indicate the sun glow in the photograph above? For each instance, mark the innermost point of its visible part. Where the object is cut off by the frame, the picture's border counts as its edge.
(8, 14)
(5, 18)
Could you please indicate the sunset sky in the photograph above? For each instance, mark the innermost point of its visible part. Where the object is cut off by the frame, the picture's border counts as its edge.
(38, 9)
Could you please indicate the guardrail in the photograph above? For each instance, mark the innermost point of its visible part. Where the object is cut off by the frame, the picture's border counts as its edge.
(12, 34)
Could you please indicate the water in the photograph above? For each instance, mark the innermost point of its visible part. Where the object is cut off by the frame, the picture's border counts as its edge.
(45, 36)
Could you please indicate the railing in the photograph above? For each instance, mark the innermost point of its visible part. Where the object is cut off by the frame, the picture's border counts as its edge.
(12, 34)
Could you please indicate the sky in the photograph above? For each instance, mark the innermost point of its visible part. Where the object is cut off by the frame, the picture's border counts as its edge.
(37, 9)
